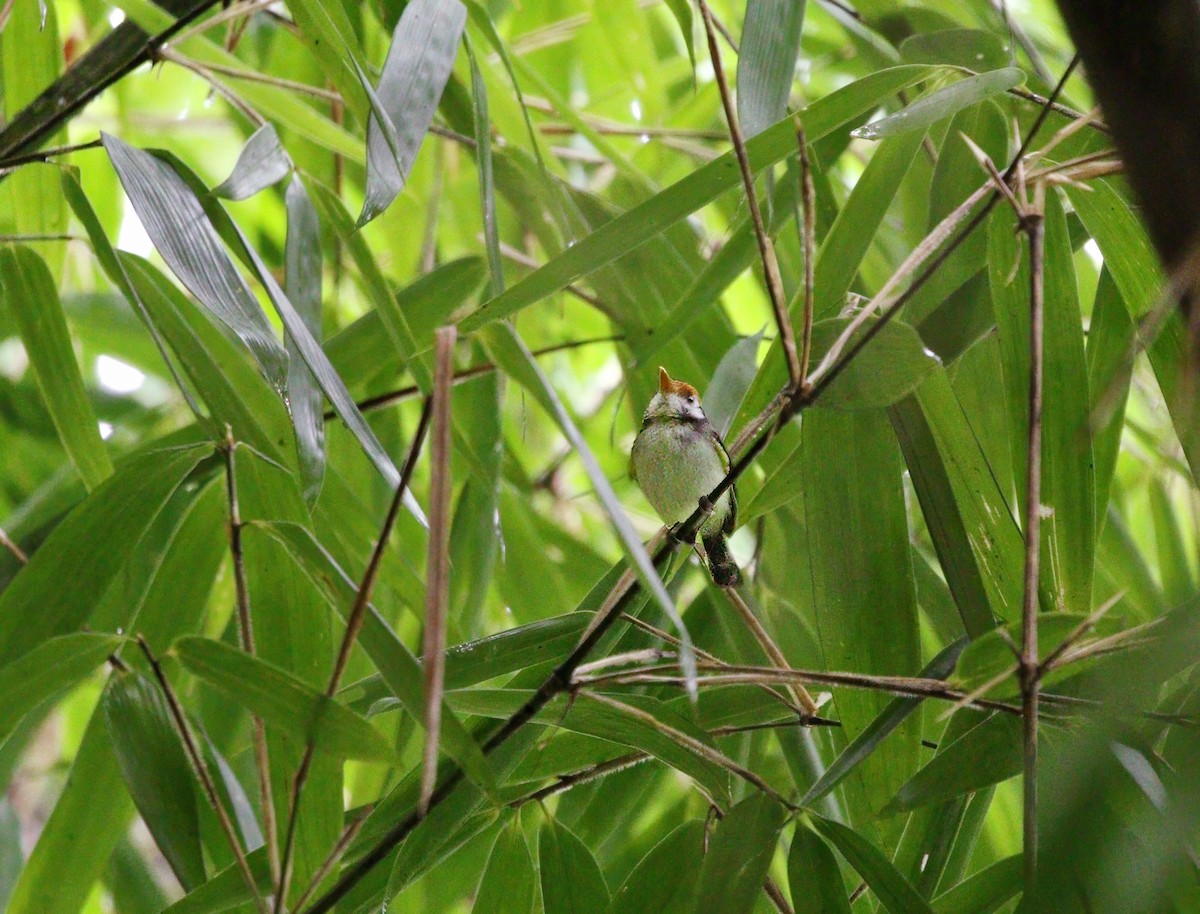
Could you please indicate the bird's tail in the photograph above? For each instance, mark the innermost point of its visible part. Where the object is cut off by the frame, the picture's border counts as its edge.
(721, 565)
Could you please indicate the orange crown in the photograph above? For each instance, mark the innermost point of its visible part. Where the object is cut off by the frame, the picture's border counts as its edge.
(667, 385)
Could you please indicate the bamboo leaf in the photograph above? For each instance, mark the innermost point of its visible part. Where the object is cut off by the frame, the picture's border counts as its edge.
(509, 881)
(261, 163)
(28, 294)
(663, 881)
(893, 891)
(767, 62)
(816, 881)
(985, 891)
(282, 700)
(571, 879)
(943, 103)
(418, 64)
(739, 854)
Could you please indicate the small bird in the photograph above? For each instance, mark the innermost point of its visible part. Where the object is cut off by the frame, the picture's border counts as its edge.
(677, 459)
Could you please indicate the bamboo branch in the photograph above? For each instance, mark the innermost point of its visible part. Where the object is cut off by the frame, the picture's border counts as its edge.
(808, 200)
(766, 250)
(1032, 224)
(437, 591)
(354, 623)
(799, 694)
(246, 637)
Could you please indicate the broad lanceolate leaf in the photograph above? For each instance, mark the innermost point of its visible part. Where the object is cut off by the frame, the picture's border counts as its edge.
(68, 575)
(1068, 525)
(988, 753)
(282, 700)
(943, 103)
(767, 62)
(187, 241)
(28, 293)
(974, 49)
(977, 540)
(302, 282)
(571, 879)
(813, 874)
(156, 770)
(985, 891)
(664, 882)
(739, 854)
(509, 881)
(48, 669)
(894, 892)
(261, 163)
(893, 715)
(414, 75)
(704, 185)
(858, 555)
(887, 369)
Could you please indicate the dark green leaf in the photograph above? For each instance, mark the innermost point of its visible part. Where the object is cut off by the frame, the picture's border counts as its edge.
(739, 854)
(571, 879)
(509, 882)
(813, 874)
(156, 771)
(985, 891)
(972, 49)
(664, 881)
(893, 891)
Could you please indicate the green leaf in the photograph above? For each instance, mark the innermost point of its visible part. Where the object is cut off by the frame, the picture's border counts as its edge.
(892, 716)
(985, 891)
(858, 556)
(47, 670)
(509, 881)
(156, 771)
(702, 186)
(978, 543)
(1110, 338)
(1068, 525)
(887, 369)
(27, 293)
(893, 891)
(418, 64)
(813, 874)
(571, 879)
(943, 103)
(739, 854)
(988, 753)
(261, 163)
(221, 369)
(391, 657)
(282, 700)
(972, 49)
(664, 880)
(767, 62)
(302, 282)
(67, 576)
(730, 381)
(187, 241)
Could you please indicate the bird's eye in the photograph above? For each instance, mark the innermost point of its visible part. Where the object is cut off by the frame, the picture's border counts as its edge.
(691, 400)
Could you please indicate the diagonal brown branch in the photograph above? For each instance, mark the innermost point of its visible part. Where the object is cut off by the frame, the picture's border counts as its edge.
(766, 249)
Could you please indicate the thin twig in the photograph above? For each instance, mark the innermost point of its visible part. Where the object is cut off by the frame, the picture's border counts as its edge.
(197, 759)
(251, 76)
(354, 623)
(1032, 224)
(17, 551)
(706, 752)
(808, 200)
(401, 394)
(45, 155)
(335, 855)
(770, 648)
(766, 250)
(246, 637)
(775, 893)
(437, 592)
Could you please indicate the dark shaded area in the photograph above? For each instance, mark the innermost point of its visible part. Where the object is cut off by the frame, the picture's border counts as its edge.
(1143, 61)
(119, 52)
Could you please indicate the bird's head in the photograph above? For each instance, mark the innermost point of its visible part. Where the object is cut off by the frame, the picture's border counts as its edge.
(674, 400)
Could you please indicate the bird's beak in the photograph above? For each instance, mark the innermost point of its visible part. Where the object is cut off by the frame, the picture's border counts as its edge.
(664, 380)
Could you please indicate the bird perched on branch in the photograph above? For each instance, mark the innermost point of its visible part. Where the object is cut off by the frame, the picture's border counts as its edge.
(677, 459)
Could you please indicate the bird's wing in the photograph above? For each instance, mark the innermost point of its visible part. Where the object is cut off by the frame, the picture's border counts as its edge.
(731, 518)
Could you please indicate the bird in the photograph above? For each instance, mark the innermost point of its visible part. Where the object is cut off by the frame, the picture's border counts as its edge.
(677, 458)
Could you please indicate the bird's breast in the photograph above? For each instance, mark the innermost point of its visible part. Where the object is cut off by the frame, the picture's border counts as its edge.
(675, 464)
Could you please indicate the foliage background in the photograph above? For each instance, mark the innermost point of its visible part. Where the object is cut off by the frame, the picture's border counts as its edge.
(878, 538)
